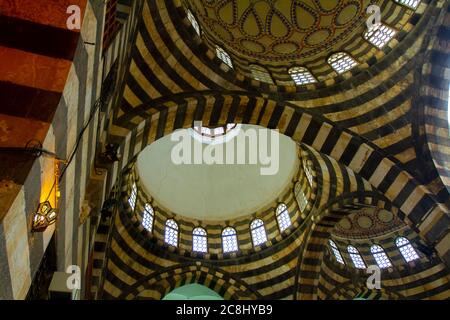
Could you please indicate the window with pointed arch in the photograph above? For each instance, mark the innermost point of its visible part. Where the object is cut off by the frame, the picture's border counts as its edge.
(193, 22)
(380, 256)
(379, 35)
(229, 240)
(171, 233)
(283, 218)
(336, 252)
(301, 76)
(224, 56)
(260, 73)
(341, 62)
(147, 217)
(132, 199)
(406, 249)
(199, 240)
(357, 260)
(258, 232)
(301, 197)
(412, 4)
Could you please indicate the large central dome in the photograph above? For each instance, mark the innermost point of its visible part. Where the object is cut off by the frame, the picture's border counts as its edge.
(279, 30)
(214, 192)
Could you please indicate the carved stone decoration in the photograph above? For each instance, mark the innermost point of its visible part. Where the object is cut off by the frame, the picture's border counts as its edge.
(85, 211)
(367, 222)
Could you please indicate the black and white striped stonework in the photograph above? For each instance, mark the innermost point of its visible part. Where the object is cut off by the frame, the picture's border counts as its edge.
(375, 135)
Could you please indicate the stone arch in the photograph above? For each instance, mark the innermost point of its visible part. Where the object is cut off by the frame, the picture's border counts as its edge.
(430, 116)
(158, 284)
(331, 206)
(133, 255)
(422, 211)
(350, 290)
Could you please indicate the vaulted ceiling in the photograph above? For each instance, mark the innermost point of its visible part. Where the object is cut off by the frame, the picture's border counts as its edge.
(372, 132)
(279, 31)
(373, 102)
(284, 33)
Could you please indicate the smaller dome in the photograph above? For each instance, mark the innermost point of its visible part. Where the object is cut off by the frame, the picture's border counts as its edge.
(367, 222)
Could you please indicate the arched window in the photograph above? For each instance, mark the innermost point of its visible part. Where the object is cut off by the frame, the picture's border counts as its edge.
(258, 232)
(283, 218)
(199, 240)
(380, 256)
(213, 132)
(406, 249)
(308, 173)
(229, 240)
(336, 252)
(341, 62)
(301, 197)
(379, 35)
(171, 233)
(260, 73)
(224, 56)
(194, 22)
(133, 196)
(301, 75)
(215, 135)
(413, 4)
(147, 217)
(357, 260)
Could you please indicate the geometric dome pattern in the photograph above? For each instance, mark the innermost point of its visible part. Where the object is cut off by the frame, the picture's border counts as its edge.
(281, 30)
(367, 222)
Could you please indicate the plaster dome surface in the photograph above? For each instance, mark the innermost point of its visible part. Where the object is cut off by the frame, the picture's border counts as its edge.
(214, 191)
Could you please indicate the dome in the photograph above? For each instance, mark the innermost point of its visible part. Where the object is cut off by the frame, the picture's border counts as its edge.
(280, 31)
(286, 33)
(214, 191)
(366, 223)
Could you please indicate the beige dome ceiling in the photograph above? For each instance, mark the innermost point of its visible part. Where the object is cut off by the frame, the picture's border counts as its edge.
(280, 30)
(213, 192)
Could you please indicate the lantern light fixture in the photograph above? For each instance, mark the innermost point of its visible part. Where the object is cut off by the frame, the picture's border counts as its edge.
(44, 217)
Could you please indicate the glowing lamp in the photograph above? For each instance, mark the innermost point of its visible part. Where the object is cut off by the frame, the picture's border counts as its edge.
(44, 217)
